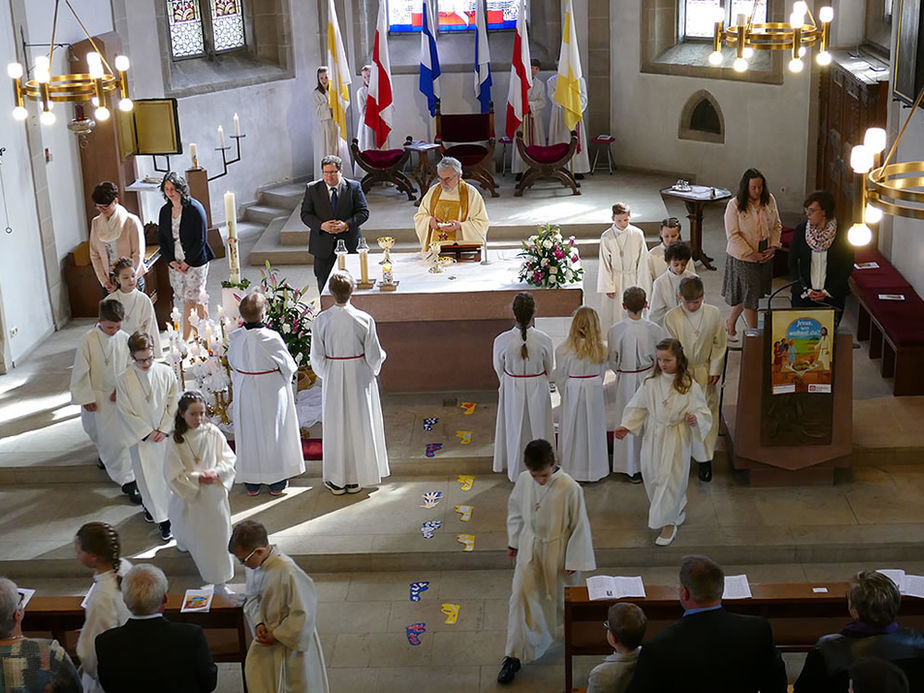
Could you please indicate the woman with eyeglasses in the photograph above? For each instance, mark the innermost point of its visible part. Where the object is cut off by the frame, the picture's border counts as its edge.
(752, 225)
(114, 232)
(30, 664)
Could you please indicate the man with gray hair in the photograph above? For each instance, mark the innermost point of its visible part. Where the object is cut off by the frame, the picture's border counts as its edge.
(452, 211)
(709, 650)
(30, 664)
(334, 209)
(149, 653)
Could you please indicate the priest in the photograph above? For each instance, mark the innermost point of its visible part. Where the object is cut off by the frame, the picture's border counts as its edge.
(453, 211)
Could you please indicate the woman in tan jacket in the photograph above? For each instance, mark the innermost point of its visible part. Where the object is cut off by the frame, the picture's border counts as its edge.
(114, 233)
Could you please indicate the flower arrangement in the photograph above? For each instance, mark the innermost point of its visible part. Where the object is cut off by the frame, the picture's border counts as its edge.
(548, 260)
(288, 313)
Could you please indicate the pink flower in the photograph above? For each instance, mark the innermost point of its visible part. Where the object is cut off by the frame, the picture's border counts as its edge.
(574, 259)
(571, 241)
(559, 253)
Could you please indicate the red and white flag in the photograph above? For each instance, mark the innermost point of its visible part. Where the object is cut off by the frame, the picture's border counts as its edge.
(521, 78)
(379, 106)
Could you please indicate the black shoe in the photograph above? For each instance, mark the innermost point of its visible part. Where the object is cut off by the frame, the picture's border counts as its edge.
(519, 177)
(509, 668)
(705, 471)
(636, 478)
(579, 176)
(336, 490)
(99, 464)
(131, 490)
(165, 532)
(148, 517)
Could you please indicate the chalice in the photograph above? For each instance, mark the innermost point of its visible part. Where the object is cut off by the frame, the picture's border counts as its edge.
(385, 243)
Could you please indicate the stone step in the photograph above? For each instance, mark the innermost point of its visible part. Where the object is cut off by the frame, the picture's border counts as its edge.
(287, 196)
(263, 213)
(269, 249)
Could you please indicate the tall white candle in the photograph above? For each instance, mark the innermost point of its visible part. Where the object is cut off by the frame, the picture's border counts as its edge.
(194, 154)
(234, 263)
(221, 137)
(237, 125)
(231, 214)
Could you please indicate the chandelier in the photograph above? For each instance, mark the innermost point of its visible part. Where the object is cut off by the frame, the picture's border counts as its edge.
(92, 86)
(796, 36)
(896, 189)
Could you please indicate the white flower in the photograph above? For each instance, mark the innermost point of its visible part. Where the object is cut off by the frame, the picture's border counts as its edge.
(544, 261)
(553, 270)
(286, 328)
(547, 244)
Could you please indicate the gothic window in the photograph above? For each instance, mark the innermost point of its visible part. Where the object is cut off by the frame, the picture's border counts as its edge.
(198, 28)
(701, 119)
(186, 38)
(227, 24)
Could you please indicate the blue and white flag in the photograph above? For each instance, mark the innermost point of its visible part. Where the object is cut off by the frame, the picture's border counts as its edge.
(429, 59)
(482, 59)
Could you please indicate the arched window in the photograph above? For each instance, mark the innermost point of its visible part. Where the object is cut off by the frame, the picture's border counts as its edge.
(701, 119)
(205, 27)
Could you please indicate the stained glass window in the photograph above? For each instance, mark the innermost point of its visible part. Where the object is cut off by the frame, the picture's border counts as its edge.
(502, 14)
(185, 24)
(405, 16)
(700, 15)
(457, 15)
(227, 24)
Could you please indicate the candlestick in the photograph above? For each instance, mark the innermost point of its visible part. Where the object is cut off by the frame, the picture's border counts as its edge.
(363, 249)
(237, 126)
(341, 251)
(194, 154)
(221, 137)
(234, 264)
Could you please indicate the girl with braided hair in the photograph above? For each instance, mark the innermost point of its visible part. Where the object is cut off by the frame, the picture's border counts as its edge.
(523, 359)
(98, 548)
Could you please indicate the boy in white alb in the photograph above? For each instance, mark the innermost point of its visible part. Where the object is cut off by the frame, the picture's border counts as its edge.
(346, 354)
(657, 265)
(100, 359)
(549, 535)
(623, 263)
(139, 311)
(282, 609)
(664, 291)
(699, 328)
(146, 395)
(631, 355)
(267, 440)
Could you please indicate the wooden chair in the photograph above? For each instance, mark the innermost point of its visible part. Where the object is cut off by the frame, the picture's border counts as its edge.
(384, 166)
(547, 162)
(471, 141)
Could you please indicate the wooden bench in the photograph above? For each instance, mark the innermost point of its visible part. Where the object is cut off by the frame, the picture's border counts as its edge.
(797, 615)
(224, 626)
(895, 329)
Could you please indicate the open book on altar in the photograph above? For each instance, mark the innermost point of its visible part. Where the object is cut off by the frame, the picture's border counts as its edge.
(614, 587)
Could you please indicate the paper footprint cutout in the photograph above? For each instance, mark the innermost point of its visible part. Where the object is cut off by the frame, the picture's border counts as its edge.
(431, 498)
(429, 423)
(414, 632)
(467, 481)
(432, 448)
(417, 588)
(469, 408)
(428, 527)
(465, 511)
(452, 613)
(464, 436)
(468, 540)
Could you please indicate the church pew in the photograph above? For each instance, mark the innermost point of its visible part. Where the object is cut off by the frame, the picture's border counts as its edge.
(224, 625)
(797, 615)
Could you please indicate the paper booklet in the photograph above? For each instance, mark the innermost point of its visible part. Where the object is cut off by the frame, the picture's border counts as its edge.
(26, 595)
(908, 585)
(866, 265)
(736, 587)
(197, 600)
(614, 587)
(891, 297)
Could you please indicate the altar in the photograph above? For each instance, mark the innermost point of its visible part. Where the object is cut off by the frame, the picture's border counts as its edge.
(438, 329)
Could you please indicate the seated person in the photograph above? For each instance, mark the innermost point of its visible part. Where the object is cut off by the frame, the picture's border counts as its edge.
(871, 675)
(452, 211)
(873, 601)
(30, 664)
(625, 628)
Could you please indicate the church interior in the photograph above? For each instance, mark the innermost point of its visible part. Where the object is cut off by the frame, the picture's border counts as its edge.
(671, 116)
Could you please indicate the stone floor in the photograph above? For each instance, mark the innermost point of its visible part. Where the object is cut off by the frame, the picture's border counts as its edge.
(364, 550)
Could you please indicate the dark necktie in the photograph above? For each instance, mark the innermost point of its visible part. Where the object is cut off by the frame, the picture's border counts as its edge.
(333, 199)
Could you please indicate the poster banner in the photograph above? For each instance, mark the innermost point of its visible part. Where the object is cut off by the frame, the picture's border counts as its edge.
(802, 351)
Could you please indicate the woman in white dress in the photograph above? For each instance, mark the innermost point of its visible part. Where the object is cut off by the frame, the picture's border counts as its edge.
(580, 364)
(200, 472)
(523, 360)
(97, 546)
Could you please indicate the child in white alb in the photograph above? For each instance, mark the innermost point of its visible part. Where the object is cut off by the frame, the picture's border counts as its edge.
(664, 290)
(657, 265)
(623, 263)
(139, 311)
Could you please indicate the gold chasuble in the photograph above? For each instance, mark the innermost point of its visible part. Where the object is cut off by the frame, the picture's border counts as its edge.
(464, 204)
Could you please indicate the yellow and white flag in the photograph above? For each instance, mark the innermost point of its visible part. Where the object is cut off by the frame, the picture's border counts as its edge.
(338, 71)
(568, 87)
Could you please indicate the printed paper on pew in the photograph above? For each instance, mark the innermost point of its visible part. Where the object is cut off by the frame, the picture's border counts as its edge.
(197, 600)
(891, 297)
(26, 595)
(736, 587)
(896, 575)
(914, 586)
(866, 265)
(614, 587)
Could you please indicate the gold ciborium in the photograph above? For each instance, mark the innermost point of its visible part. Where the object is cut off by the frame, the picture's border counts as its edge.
(385, 243)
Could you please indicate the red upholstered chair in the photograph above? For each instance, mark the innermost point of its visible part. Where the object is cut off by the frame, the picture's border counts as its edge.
(469, 137)
(546, 162)
(384, 166)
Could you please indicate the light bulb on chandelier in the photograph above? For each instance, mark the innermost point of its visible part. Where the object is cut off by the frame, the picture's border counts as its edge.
(740, 65)
(859, 234)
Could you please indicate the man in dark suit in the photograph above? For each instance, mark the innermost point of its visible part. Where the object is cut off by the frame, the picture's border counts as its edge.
(149, 653)
(709, 650)
(334, 208)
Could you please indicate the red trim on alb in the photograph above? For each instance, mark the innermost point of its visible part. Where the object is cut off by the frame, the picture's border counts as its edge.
(345, 358)
(275, 370)
(536, 375)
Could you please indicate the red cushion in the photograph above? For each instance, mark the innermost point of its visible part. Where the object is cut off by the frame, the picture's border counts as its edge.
(786, 234)
(465, 127)
(548, 155)
(382, 158)
(903, 321)
(883, 277)
(604, 138)
(468, 154)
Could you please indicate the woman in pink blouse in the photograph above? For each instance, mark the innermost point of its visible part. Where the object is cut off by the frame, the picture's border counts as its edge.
(114, 232)
(752, 225)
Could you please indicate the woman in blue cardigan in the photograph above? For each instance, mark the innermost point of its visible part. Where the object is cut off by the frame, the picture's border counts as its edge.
(183, 231)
